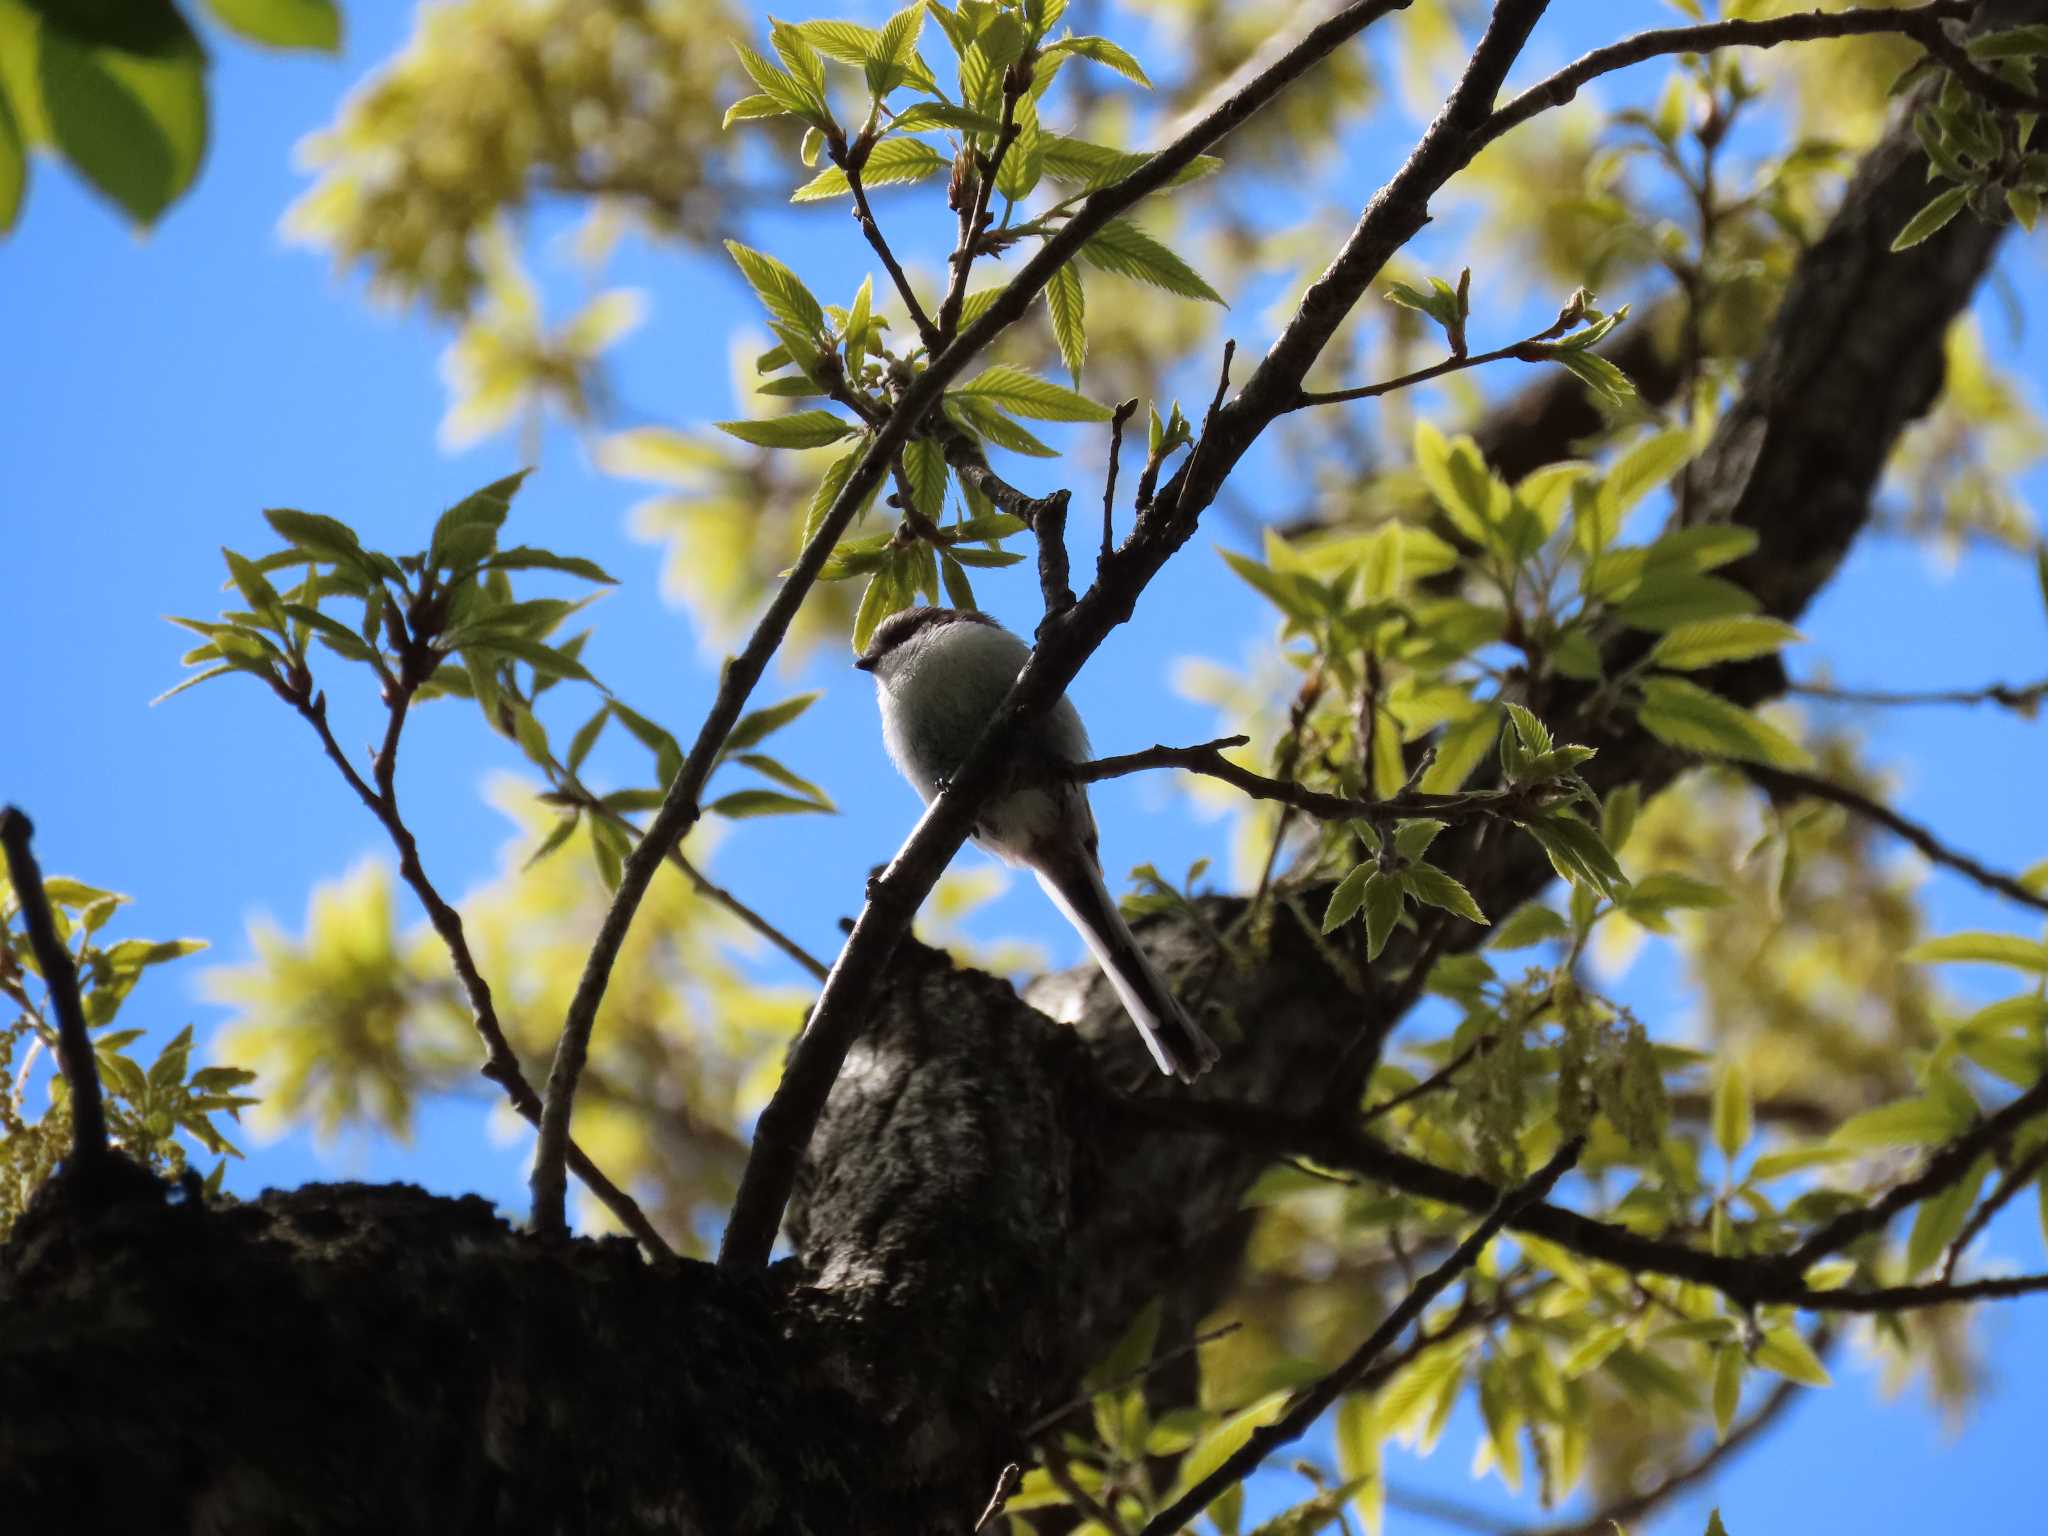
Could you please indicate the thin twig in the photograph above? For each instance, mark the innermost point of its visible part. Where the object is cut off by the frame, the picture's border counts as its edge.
(1116, 443)
(1308, 1406)
(501, 1066)
(2024, 698)
(1006, 1484)
(865, 216)
(1525, 351)
(89, 1151)
(2015, 1179)
(1056, 1468)
(975, 215)
(1922, 24)
(1440, 1078)
(1045, 1421)
(1784, 781)
(1195, 454)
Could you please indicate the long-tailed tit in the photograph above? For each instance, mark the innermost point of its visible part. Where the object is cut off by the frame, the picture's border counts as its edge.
(940, 675)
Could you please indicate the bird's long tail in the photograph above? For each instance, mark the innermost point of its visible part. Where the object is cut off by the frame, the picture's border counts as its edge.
(1075, 885)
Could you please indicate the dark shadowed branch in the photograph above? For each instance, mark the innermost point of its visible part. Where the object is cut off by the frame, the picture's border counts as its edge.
(2023, 698)
(1308, 1406)
(60, 977)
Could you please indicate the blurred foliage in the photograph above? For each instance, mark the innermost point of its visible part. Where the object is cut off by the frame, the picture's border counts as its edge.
(1416, 595)
(117, 89)
(157, 1113)
(494, 105)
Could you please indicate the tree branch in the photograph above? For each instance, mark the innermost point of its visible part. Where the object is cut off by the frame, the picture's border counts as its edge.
(501, 1066)
(1309, 1405)
(865, 217)
(1922, 23)
(2022, 698)
(1066, 641)
(89, 1149)
(1787, 782)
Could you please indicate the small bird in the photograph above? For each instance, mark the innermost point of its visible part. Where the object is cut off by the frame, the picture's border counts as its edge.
(940, 675)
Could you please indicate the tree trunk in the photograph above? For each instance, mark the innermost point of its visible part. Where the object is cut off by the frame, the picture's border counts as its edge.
(983, 1211)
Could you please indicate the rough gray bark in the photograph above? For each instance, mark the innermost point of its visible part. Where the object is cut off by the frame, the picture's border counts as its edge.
(981, 1214)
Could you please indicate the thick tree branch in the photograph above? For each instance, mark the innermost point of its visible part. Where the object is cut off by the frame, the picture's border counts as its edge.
(781, 1135)
(1790, 784)
(89, 1148)
(1066, 640)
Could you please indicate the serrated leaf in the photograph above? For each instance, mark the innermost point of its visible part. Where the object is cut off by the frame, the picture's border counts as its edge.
(1932, 218)
(1427, 883)
(1685, 715)
(1647, 465)
(892, 162)
(1123, 248)
(1027, 395)
(930, 116)
(1066, 304)
(1348, 897)
(799, 429)
(1383, 900)
(1101, 50)
(781, 291)
(1708, 642)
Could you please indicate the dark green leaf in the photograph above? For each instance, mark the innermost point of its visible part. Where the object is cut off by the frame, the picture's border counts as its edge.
(756, 725)
(133, 123)
(312, 24)
(743, 803)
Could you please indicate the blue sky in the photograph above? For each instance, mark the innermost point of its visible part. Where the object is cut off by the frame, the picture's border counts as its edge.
(156, 393)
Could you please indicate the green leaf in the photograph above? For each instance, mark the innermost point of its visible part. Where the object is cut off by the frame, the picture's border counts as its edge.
(1985, 948)
(1427, 883)
(13, 164)
(931, 116)
(757, 725)
(1728, 1363)
(743, 803)
(586, 737)
(326, 538)
(1703, 644)
(1669, 597)
(984, 420)
(799, 429)
(1784, 1351)
(1094, 166)
(133, 123)
(1382, 911)
(892, 162)
(1941, 1217)
(787, 778)
(959, 590)
(1460, 749)
(312, 24)
(1067, 305)
(336, 635)
(1412, 838)
(521, 557)
(1649, 464)
(1597, 373)
(1923, 1121)
(781, 292)
(1685, 715)
(1578, 853)
(1348, 897)
(1535, 736)
(1101, 50)
(985, 559)
(748, 108)
(544, 659)
(1530, 923)
(1027, 395)
(1943, 207)
(1123, 248)
(1734, 1115)
(784, 89)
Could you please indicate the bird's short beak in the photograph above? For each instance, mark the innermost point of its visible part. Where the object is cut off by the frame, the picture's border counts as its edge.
(866, 663)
